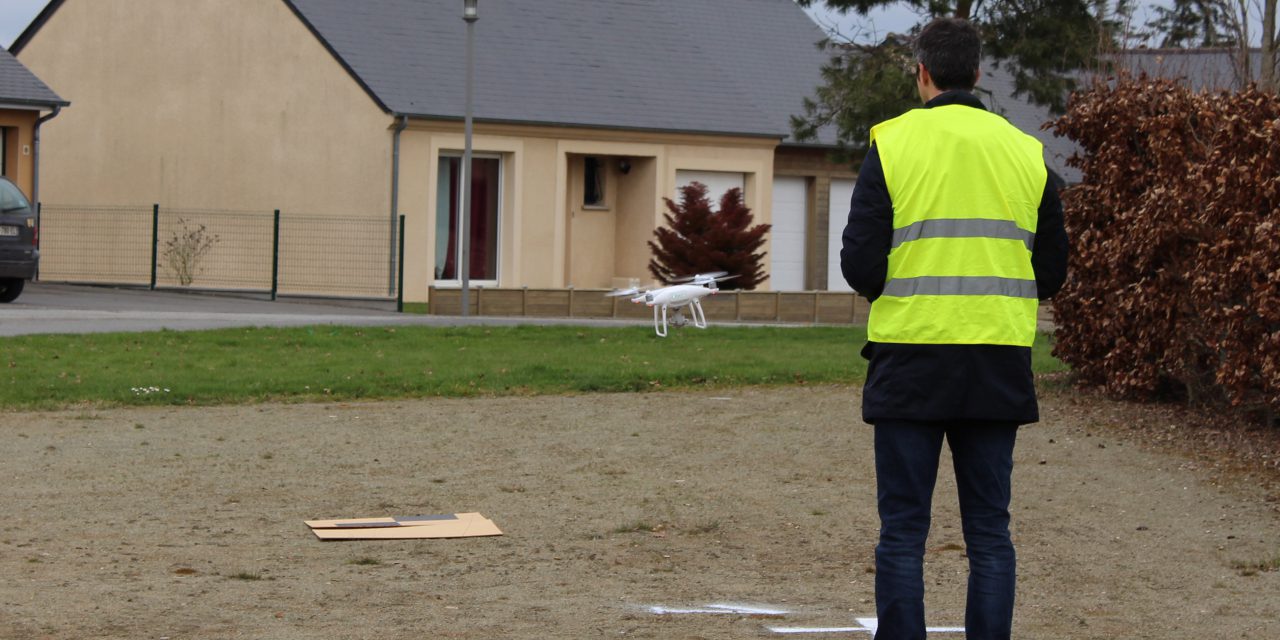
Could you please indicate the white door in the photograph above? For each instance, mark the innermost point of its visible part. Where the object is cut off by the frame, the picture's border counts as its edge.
(718, 182)
(790, 202)
(841, 194)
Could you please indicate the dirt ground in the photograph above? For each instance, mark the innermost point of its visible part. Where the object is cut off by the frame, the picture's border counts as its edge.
(188, 522)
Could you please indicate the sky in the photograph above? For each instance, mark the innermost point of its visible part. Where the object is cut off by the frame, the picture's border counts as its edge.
(15, 15)
(876, 24)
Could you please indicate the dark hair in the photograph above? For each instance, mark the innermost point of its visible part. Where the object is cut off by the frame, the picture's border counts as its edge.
(950, 49)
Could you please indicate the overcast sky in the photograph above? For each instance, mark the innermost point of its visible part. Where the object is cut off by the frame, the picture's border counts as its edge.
(15, 15)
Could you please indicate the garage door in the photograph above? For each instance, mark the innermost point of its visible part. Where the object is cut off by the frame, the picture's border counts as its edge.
(841, 194)
(718, 182)
(790, 202)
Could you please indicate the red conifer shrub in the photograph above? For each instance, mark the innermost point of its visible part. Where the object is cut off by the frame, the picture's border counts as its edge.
(699, 240)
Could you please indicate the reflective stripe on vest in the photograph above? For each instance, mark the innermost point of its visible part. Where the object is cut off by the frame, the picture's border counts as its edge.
(963, 228)
(966, 188)
(961, 286)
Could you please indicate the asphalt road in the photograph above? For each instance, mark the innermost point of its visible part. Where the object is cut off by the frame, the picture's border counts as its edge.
(60, 308)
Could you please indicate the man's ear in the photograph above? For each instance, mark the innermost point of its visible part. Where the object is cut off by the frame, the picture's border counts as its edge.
(922, 74)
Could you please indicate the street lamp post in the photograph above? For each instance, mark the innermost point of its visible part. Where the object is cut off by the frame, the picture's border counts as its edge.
(469, 15)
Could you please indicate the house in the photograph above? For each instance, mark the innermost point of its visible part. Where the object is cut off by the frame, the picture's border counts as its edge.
(587, 114)
(23, 101)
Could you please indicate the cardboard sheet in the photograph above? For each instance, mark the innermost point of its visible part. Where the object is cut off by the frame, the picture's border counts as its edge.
(393, 521)
(459, 528)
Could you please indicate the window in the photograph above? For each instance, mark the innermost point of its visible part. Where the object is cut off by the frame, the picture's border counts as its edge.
(486, 180)
(593, 172)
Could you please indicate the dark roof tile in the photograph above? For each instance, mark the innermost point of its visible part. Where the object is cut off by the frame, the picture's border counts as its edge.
(19, 86)
(713, 66)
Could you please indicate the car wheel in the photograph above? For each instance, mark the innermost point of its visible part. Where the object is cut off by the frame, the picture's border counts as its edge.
(10, 288)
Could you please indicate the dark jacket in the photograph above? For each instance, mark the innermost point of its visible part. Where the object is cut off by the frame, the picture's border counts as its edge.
(943, 382)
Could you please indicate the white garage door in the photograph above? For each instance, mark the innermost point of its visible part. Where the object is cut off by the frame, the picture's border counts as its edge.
(841, 194)
(718, 182)
(790, 202)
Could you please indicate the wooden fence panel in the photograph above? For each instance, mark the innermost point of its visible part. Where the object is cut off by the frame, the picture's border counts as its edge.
(793, 307)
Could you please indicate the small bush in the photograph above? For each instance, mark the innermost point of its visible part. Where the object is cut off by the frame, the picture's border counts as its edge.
(697, 239)
(185, 250)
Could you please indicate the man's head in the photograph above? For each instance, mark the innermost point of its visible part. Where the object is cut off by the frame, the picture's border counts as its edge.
(948, 49)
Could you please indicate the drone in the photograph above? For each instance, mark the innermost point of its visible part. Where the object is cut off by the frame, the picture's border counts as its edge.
(688, 293)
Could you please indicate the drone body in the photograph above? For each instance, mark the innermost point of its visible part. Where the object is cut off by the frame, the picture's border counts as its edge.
(675, 298)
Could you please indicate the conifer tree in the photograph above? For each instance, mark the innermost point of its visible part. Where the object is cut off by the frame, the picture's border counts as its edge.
(697, 239)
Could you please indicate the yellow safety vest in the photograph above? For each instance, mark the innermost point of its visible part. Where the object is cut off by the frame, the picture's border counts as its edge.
(966, 188)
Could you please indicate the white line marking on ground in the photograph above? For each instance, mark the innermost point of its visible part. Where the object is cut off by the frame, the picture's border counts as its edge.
(819, 630)
(720, 608)
(867, 625)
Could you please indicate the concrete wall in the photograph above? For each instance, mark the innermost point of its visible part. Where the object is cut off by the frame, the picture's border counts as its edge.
(228, 104)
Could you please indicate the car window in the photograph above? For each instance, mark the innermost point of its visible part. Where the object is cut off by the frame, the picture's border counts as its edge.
(11, 198)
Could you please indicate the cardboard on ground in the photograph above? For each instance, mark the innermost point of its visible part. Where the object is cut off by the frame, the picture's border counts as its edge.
(455, 525)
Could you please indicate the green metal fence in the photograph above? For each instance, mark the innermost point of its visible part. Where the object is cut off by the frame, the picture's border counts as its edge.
(272, 252)
(96, 244)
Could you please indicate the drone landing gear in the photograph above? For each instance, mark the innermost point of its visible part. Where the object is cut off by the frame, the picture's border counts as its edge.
(677, 319)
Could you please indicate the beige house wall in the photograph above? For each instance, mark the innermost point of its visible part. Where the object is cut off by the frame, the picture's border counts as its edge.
(547, 237)
(228, 104)
(19, 154)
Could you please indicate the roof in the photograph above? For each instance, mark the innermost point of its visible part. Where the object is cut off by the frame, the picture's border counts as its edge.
(1026, 116)
(712, 66)
(18, 86)
(1199, 69)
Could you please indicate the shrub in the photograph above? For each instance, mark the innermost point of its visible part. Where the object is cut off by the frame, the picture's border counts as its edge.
(185, 249)
(1175, 229)
(699, 240)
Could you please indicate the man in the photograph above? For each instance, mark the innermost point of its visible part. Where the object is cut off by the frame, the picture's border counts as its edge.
(954, 234)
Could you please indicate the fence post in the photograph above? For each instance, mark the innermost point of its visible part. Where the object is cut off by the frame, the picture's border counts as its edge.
(39, 212)
(275, 254)
(155, 242)
(400, 268)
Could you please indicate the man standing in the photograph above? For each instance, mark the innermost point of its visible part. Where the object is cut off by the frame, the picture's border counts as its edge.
(955, 233)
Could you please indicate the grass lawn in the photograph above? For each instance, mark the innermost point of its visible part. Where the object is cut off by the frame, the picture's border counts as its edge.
(347, 363)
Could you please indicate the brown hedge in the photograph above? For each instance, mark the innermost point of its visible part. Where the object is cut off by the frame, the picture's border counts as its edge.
(1175, 230)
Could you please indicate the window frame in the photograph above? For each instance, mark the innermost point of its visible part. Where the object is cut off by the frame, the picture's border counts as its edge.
(502, 176)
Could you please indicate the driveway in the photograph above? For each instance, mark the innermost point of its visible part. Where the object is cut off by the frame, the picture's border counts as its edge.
(61, 308)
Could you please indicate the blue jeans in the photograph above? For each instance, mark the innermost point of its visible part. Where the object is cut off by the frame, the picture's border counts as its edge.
(906, 470)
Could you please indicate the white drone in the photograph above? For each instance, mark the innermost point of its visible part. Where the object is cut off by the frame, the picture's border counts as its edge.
(676, 297)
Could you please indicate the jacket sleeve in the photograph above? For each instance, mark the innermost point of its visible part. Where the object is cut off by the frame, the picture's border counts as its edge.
(1051, 249)
(864, 256)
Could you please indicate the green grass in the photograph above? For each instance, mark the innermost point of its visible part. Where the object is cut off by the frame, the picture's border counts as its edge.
(350, 363)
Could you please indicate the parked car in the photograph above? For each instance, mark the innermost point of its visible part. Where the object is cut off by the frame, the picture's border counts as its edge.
(18, 253)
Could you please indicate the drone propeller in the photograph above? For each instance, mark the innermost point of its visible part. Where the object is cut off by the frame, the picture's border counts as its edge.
(618, 293)
(701, 277)
(710, 279)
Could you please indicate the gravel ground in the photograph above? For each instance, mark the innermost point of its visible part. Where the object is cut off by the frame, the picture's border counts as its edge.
(181, 522)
